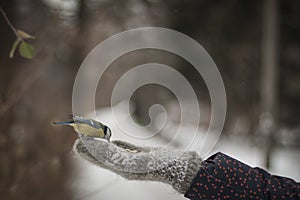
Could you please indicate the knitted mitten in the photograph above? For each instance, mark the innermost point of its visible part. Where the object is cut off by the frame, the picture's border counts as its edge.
(141, 163)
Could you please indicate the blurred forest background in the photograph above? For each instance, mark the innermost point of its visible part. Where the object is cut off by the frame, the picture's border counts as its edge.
(255, 44)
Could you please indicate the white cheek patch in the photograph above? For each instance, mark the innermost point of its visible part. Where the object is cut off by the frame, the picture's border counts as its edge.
(92, 122)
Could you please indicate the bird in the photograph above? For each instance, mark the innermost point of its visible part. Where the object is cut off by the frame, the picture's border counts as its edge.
(88, 127)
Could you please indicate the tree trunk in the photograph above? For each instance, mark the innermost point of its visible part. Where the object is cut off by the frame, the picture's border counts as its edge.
(269, 76)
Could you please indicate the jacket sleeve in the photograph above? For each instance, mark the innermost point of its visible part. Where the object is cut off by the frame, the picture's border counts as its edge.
(222, 177)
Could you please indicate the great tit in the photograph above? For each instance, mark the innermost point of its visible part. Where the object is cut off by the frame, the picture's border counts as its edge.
(88, 127)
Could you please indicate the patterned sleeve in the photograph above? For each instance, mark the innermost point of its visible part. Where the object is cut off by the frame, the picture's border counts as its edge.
(222, 177)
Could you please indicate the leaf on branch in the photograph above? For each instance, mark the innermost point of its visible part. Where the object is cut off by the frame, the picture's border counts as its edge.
(24, 35)
(14, 47)
(26, 50)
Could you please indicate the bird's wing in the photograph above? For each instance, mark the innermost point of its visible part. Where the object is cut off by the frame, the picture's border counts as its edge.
(90, 122)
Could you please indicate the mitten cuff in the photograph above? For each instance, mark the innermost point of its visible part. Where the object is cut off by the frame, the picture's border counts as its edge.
(193, 165)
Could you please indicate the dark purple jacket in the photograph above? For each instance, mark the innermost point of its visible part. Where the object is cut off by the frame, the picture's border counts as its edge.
(222, 177)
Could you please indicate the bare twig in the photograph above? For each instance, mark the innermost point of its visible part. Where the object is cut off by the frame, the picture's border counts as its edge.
(26, 84)
(9, 23)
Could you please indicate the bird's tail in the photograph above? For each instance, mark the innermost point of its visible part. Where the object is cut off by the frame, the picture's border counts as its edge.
(64, 123)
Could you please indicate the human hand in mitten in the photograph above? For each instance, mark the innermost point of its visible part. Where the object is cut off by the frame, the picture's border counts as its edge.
(141, 163)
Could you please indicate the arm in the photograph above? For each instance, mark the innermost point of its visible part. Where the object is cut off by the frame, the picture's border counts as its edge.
(226, 178)
(218, 177)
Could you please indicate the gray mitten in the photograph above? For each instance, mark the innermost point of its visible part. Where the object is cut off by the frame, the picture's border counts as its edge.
(136, 163)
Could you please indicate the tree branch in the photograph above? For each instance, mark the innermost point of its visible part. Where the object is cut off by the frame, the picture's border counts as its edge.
(8, 22)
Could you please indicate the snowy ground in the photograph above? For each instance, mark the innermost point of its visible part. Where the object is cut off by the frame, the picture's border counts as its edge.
(95, 183)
